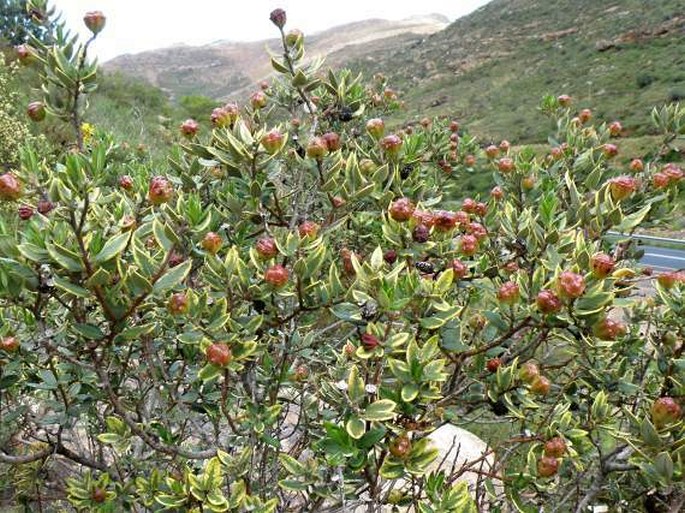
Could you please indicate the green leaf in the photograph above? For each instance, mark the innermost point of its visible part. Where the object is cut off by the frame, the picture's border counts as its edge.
(172, 277)
(89, 331)
(410, 391)
(355, 427)
(112, 248)
(209, 372)
(383, 409)
(67, 286)
(355, 385)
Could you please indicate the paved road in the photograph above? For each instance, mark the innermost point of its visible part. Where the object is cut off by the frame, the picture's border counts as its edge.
(663, 259)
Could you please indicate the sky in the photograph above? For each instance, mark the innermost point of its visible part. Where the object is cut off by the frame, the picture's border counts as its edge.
(137, 25)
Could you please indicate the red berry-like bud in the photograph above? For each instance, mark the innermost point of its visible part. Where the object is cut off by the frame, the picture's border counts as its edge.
(564, 100)
(660, 180)
(665, 411)
(189, 128)
(570, 285)
(308, 229)
(338, 201)
(375, 127)
(423, 217)
(555, 447)
(9, 344)
(528, 182)
(126, 182)
(529, 371)
(36, 111)
(459, 269)
(278, 18)
(511, 267)
(610, 150)
(346, 256)
(615, 128)
(219, 354)
(178, 303)
(272, 141)
(492, 151)
(160, 190)
(369, 341)
(540, 385)
(45, 206)
(477, 230)
(481, 209)
(444, 220)
(504, 146)
(548, 302)
(668, 279)
(585, 115)
(25, 212)
(400, 447)
(497, 192)
(454, 126)
(316, 148)
(99, 495)
(224, 116)
(609, 329)
(10, 187)
(276, 276)
(556, 153)
(468, 245)
(211, 242)
(673, 172)
(469, 161)
(493, 364)
(391, 144)
(420, 233)
(509, 293)
(390, 256)
(637, 165)
(332, 141)
(402, 209)
(469, 205)
(505, 165)
(463, 218)
(547, 466)
(266, 248)
(622, 186)
(24, 53)
(258, 100)
(95, 21)
(602, 265)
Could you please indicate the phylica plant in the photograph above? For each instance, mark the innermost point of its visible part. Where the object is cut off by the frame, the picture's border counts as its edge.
(280, 319)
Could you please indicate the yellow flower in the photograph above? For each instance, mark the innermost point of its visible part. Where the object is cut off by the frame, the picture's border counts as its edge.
(88, 131)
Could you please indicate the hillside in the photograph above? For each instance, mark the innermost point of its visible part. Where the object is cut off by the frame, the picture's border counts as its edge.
(492, 67)
(226, 69)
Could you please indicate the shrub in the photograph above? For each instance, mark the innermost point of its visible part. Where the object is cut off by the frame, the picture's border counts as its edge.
(279, 321)
(13, 130)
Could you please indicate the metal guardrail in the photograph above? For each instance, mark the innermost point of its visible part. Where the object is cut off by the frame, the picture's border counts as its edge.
(651, 238)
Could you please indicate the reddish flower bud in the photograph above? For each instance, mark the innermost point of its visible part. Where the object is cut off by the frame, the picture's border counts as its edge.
(175, 258)
(25, 212)
(505, 165)
(258, 100)
(308, 229)
(468, 245)
(9, 344)
(564, 100)
(189, 128)
(528, 372)
(610, 150)
(219, 354)
(548, 302)
(316, 148)
(331, 140)
(555, 447)
(454, 126)
(224, 116)
(585, 115)
(459, 269)
(477, 230)
(570, 285)
(622, 186)
(272, 141)
(547, 466)
(266, 248)
(346, 256)
(493, 364)
(160, 190)
(602, 265)
(665, 411)
(660, 180)
(390, 256)
(99, 495)
(45, 206)
(178, 303)
(463, 219)
(608, 329)
(128, 223)
(10, 187)
(668, 279)
(420, 233)
(673, 172)
(445, 220)
(481, 209)
(95, 21)
(25, 53)
(391, 144)
(556, 153)
(497, 192)
(278, 18)
(469, 161)
(369, 341)
(540, 385)
(637, 165)
(375, 127)
(509, 293)
(492, 151)
(276, 276)
(469, 205)
(211, 242)
(402, 209)
(300, 373)
(126, 182)
(504, 146)
(36, 111)
(615, 128)
(400, 447)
